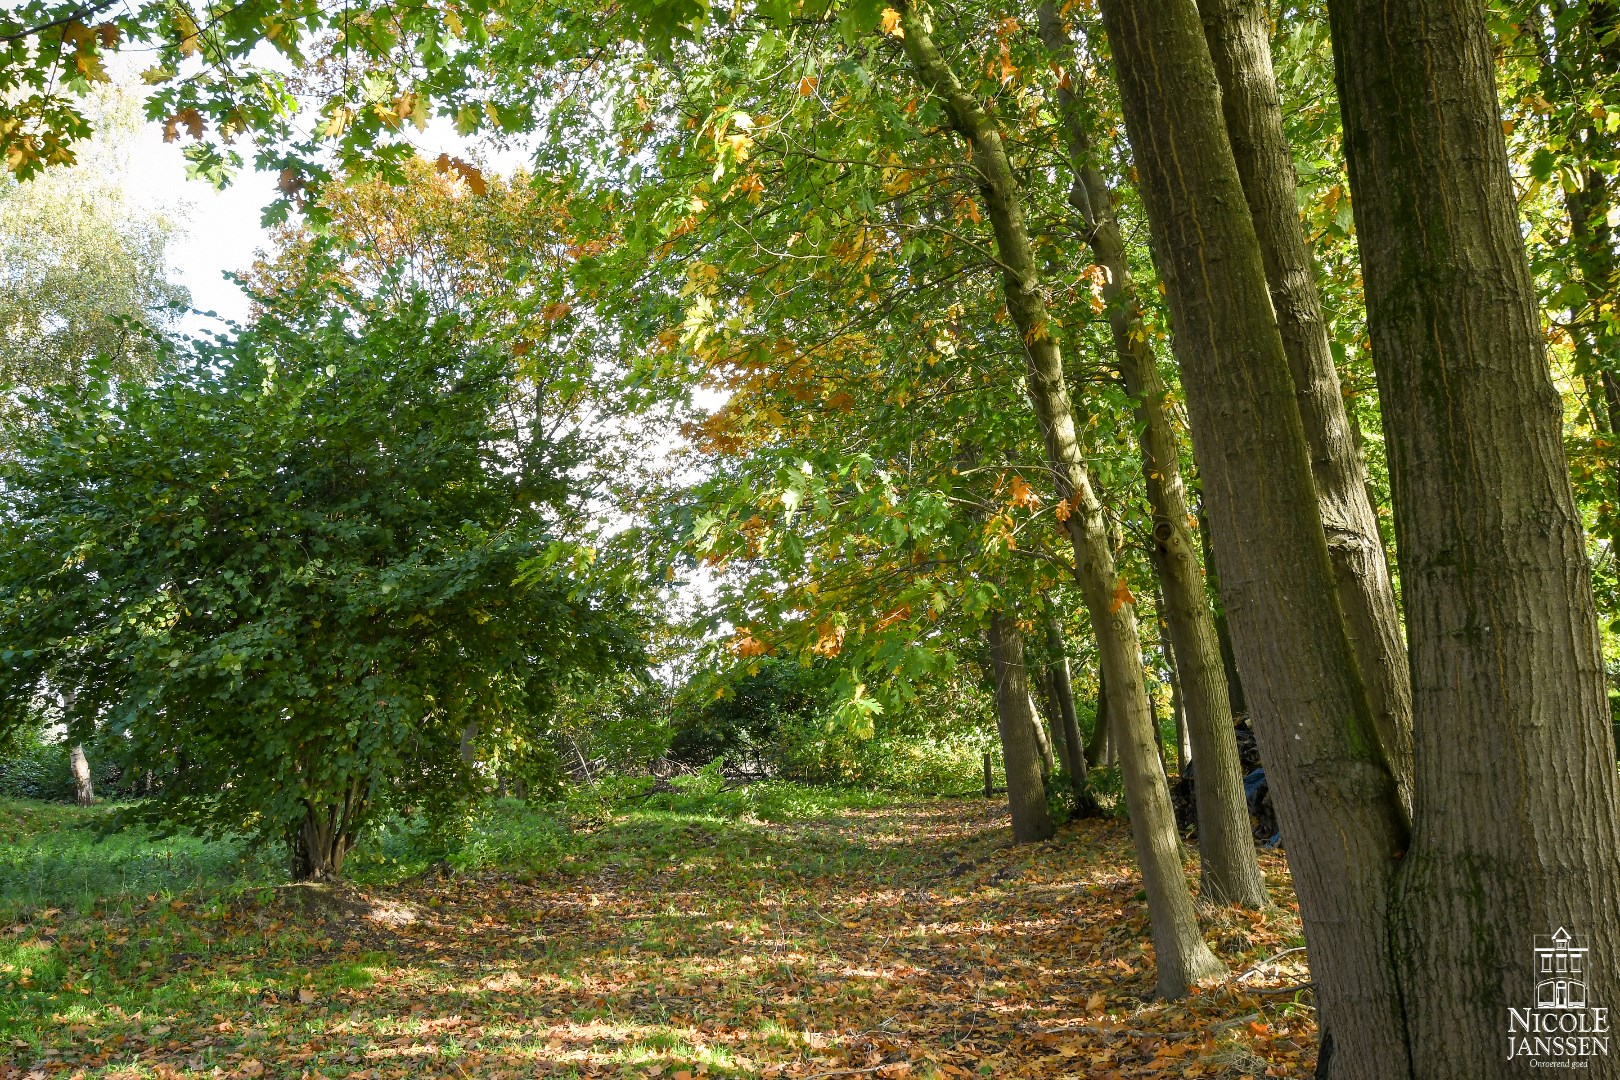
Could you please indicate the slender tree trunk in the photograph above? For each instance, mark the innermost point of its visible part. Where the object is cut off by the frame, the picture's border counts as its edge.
(1176, 710)
(1239, 37)
(1097, 745)
(1026, 794)
(84, 791)
(1043, 741)
(1515, 797)
(1046, 699)
(1336, 795)
(1223, 630)
(1085, 802)
(1183, 958)
(1181, 737)
(1230, 872)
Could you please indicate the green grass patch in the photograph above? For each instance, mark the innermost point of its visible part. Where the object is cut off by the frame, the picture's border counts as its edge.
(67, 857)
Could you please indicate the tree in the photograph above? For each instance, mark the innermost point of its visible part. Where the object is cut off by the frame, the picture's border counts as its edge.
(1230, 873)
(1518, 828)
(1026, 794)
(307, 561)
(85, 266)
(1238, 33)
(1182, 956)
(1337, 796)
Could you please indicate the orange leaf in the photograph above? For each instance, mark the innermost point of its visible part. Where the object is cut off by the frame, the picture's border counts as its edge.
(1122, 596)
(1020, 494)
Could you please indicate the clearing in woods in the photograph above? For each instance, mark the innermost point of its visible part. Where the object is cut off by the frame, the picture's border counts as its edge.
(778, 932)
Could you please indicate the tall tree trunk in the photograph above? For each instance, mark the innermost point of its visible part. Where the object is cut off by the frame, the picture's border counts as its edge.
(1515, 797)
(1230, 872)
(1085, 802)
(1336, 795)
(1223, 630)
(1046, 697)
(1026, 794)
(84, 791)
(1043, 741)
(1183, 958)
(1097, 745)
(1239, 37)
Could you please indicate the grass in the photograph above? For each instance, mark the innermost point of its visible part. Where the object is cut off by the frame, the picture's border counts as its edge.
(768, 931)
(58, 855)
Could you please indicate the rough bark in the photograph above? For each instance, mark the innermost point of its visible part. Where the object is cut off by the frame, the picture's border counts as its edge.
(1016, 721)
(1515, 793)
(1336, 797)
(1182, 957)
(1239, 36)
(1230, 872)
(84, 791)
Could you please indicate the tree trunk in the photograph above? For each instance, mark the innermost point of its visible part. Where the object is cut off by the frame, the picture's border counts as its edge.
(1336, 796)
(1239, 36)
(1230, 872)
(84, 791)
(1223, 630)
(1085, 802)
(1515, 794)
(1046, 698)
(1097, 745)
(319, 844)
(1026, 794)
(1043, 741)
(1183, 958)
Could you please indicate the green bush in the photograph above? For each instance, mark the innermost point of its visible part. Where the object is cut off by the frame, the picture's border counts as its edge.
(34, 767)
(37, 770)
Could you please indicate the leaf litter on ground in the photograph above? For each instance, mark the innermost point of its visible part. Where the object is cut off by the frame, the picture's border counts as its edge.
(892, 941)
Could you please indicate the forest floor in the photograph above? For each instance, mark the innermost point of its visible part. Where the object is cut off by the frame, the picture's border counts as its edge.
(779, 934)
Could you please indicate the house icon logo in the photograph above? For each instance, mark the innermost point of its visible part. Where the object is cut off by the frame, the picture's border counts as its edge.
(1560, 971)
(1562, 1029)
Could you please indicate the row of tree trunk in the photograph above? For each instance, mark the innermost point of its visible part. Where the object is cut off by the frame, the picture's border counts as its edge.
(1423, 864)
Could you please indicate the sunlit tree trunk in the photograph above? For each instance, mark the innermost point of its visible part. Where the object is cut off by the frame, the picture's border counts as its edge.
(1239, 37)
(1097, 745)
(1336, 795)
(1062, 683)
(1182, 956)
(1515, 795)
(1230, 873)
(1016, 721)
(84, 791)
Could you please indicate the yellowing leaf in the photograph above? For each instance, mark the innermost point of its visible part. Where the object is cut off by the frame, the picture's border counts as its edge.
(186, 30)
(889, 23)
(339, 122)
(1122, 596)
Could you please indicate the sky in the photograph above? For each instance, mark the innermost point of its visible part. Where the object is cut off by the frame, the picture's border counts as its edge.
(221, 229)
